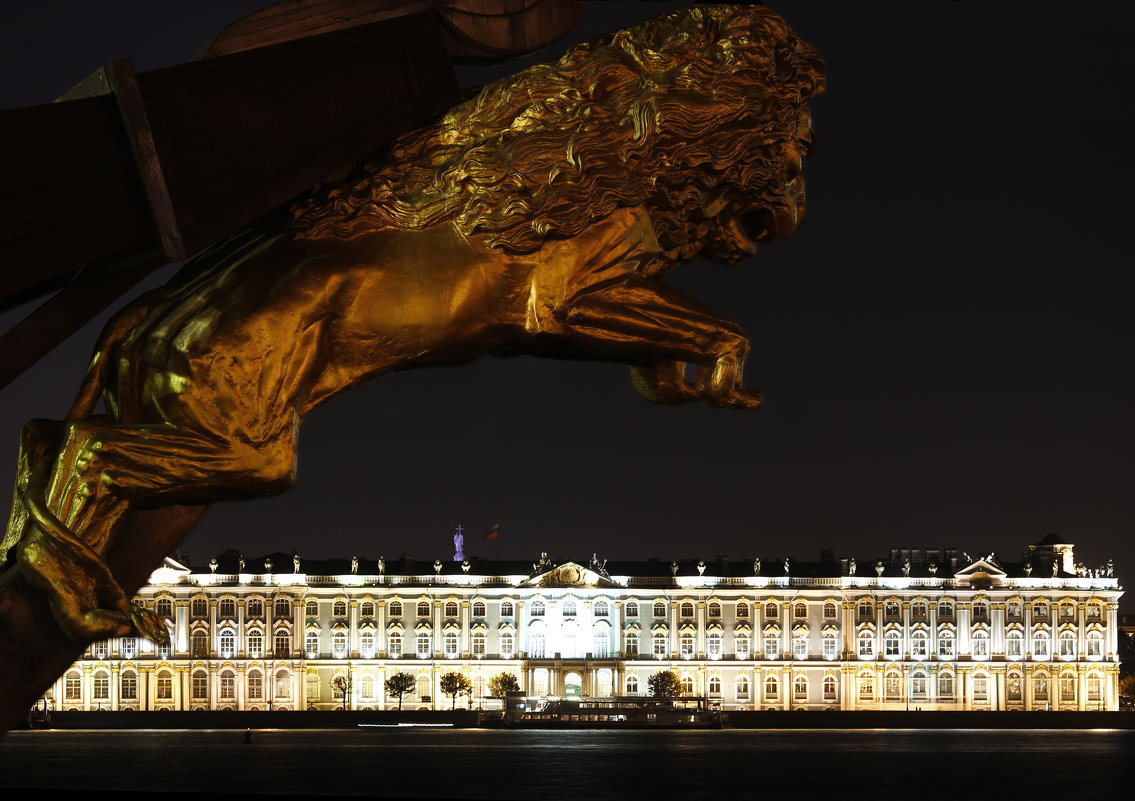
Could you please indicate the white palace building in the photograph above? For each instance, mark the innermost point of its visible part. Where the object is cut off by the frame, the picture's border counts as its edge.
(923, 629)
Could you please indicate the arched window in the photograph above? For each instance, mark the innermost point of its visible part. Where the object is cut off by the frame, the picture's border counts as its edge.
(892, 610)
(946, 609)
(892, 645)
(800, 611)
(742, 611)
(659, 609)
(892, 685)
(715, 685)
(227, 643)
(980, 645)
(366, 645)
(831, 645)
(311, 644)
(506, 608)
(283, 642)
(981, 612)
(866, 687)
(742, 686)
(255, 686)
(422, 645)
(1040, 610)
(866, 609)
(630, 646)
(741, 646)
(1040, 687)
(536, 644)
(1067, 688)
(339, 644)
(506, 644)
(918, 685)
(829, 688)
(255, 644)
(631, 609)
(569, 608)
(129, 687)
(602, 643)
(687, 609)
(199, 609)
(395, 609)
(423, 608)
(478, 644)
(72, 687)
(101, 687)
(311, 608)
(366, 609)
(129, 647)
(1094, 645)
(536, 609)
(164, 608)
(1013, 686)
(772, 644)
(713, 645)
(601, 609)
(866, 644)
(200, 685)
(283, 685)
(946, 644)
(311, 687)
(686, 645)
(199, 644)
(829, 611)
(1014, 642)
(478, 609)
(1067, 645)
(632, 684)
(254, 608)
(772, 610)
(800, 688)
(339, 609)
(687, 684)
(658, 645)
(394, 644)
(714, 609)
(282, 608)
(946, 685)
(227, 609)
(1067, 613)
(165, 686)
(423, 687)
(366, 686)
(451, 608)
(1040, 644)
(918, 610)
(919, 644)
(772, 688)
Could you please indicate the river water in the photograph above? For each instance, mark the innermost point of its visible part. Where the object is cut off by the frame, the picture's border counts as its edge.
(510, 764)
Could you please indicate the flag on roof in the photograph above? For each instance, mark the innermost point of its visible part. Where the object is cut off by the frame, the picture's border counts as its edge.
(493, 534)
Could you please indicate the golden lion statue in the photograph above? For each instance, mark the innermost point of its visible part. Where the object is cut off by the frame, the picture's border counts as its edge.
(532, 218)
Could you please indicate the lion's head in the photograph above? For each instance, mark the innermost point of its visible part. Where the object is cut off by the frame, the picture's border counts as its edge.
(699, 115)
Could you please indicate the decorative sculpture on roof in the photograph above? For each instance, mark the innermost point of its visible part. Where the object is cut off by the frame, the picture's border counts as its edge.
(535, 217)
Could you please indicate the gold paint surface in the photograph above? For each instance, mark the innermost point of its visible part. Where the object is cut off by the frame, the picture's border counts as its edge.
(535, 218)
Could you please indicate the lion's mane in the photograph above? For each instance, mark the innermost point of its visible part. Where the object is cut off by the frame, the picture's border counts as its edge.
(689, 106)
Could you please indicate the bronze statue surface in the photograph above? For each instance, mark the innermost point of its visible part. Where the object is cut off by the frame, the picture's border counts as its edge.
(535, 218)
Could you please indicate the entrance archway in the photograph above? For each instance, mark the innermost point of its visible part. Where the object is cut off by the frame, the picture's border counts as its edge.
(573, 685)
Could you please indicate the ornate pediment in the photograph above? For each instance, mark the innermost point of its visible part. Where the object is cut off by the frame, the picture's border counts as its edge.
(567, 574)
(982, 574)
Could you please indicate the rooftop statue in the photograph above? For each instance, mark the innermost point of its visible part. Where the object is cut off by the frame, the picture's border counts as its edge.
(535, 217)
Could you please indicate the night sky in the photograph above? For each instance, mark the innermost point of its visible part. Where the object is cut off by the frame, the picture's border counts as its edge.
(945, 347)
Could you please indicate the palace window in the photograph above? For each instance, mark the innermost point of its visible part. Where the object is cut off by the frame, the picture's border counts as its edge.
(1067, 689)
(715, 685)
(283, 685)
(772, 688)
(199, 609)
(741, 646)
(100, 650)
(713, 645)
(919, 645)
(687, 609)
(772, 645)
(631, 645)
(366, 609)
(742, 687)
(451, 608)
(742, 611)
(395, 608)
(366, 645)
(199, 644)
(311, 685)
(339, 644)
(254, 608)
(164, 608)
(255, 644)
(1040, 688)
(283, 643)
(945, 609)
(980, 645)
(918, 611)
(255, 685)
(1040, 611)
(800, 689)
(101, 687)
(918, 685)
(1067, 613)
(1014, 687)
(772, 611)
(829, 688)
(311, 609)
(632, 685)
(1067, 645)
(659, 609)
(831, 645)
(714, 609)
(165, 686)
(569, 609)
(601, 609)
(129, 689)
(866, 610)
(506, 608)
(829, 611)
(450, 644)
(686, 646)
(423, 608)
(506, 644)
(631, 609)
(478, 609)
(946, 644)
(129, 647)
(602, 644)
(946, 685)
(1095, 645)
(980, 613)
(228, 685)
(1013, 611)
(536, 609)
(892, 685)
(1095, 615)
(200, 685)
(1094, 688)
(478, 644)
(1040, 645)
(394, 643)
(423, 687)
(366, 687)
(892, 645)
(311, 644)
(891, 610)
(800, 611)
(866, 687)
(227, 644)
(536, 645)
(1014, 644)
(282, 608)
(980, 688)
(423, 645)
(658, 645)
(687, 684)
(866, 644)
(71, 687)
(227, 609)
(800, 646)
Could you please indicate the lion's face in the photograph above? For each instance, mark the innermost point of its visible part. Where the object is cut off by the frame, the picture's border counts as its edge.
(772, 208)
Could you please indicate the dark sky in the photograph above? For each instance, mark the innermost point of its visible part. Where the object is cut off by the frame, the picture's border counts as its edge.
(945, 347)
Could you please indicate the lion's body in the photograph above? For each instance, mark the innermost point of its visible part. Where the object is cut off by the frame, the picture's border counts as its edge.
(533, 218)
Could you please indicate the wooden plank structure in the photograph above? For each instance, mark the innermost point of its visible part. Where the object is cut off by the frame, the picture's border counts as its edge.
(131, 171)
(128, 172)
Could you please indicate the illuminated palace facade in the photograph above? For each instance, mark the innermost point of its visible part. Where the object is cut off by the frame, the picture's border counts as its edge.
(920, 630)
